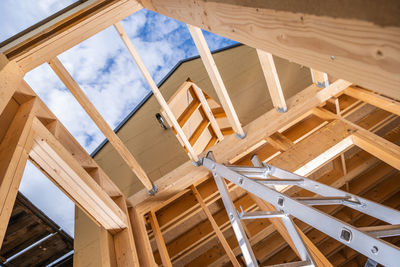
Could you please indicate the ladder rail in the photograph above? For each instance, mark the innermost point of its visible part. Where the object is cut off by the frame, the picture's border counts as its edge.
(363, 205)
(237, 227)
(374, 248)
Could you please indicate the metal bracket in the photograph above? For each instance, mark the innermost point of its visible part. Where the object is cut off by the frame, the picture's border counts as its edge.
(153, 191)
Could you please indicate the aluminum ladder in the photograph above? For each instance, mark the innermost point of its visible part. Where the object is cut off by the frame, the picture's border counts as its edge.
(257, 180)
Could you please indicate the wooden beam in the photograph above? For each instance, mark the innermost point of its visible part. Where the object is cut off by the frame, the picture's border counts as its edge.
(379, 147)
(70, 143)
(10, 79)
(143, 246)
(91, 110)
(319, 78)
(14, 149)
(273, 83)
(216, 79)
(107, 250)
(232, 147)
(162, 248)
(215, 226)
(374, 99)
(65, 29)
(73, 180)
(370, 142)
(208, 112)
(155, 90)
(344, 43)
(125, 249)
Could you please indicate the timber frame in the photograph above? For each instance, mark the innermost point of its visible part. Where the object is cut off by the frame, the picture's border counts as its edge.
(323, 41)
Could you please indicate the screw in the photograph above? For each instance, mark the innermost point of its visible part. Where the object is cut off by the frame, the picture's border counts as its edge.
(374, 250)
(333, 57)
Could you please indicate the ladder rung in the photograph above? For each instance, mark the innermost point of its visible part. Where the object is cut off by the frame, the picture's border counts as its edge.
(260, 215)
(382, 230)
(293, 264)
(314, 201)
(257, 172)
(280, 181)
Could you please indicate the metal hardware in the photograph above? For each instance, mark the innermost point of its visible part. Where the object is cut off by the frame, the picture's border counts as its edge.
(282, 110)
(161, 121)
(365, 241)
(153, 191)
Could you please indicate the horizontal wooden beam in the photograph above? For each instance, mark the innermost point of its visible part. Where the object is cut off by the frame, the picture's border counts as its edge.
(95, 115)
(344, 42)
(374, 99)
(65, 29)
(73, 180)
(372, 143)
(232, 147)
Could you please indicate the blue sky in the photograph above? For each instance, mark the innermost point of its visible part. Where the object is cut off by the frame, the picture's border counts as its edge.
(106, 72)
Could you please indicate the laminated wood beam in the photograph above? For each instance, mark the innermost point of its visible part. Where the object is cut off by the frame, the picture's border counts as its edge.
(10, 79)
(361, 47)
(65, 29)
(124, 244)
(272, 79)
(216, 79)
(112, 137)
(162, 248)
(215, 226)
(146, 257)
(73, 180)
(374, 99)
(232, 147)
(155, 90)
(14, 149)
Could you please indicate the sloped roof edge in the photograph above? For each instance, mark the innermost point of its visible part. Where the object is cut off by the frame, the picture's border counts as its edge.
(147, 97)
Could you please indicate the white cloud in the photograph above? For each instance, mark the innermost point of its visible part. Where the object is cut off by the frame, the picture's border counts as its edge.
(104, 69)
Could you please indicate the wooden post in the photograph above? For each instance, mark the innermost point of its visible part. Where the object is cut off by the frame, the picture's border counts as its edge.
(14, 150)
(272, 79)
(125, 249)
(162, 248)
(146, 257)
(91, 110)
(216, 79)
(319, 78)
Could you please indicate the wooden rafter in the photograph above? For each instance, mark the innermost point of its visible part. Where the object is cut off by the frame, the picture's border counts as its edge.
(216, 79)
(155, 90)
(273, 83)
(112, 137)
(215, 226)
